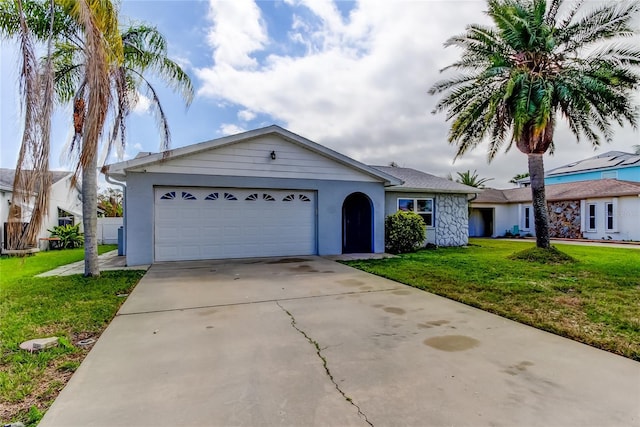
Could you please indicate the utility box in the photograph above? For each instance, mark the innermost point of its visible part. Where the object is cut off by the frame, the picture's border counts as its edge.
(120, 241)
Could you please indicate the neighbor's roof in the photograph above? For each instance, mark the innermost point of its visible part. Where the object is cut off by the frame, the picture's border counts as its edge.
(568, 191)
(415, 180)
(7, 175)
(611, 159)
(120, 169)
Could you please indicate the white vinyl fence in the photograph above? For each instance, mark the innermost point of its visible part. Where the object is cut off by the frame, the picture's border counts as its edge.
(108, 230)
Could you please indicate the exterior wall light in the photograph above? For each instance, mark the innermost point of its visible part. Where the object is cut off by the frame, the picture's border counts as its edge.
(273, 155)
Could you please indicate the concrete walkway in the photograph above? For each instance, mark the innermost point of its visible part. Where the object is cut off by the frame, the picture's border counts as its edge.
(107, 261)
(307, 341)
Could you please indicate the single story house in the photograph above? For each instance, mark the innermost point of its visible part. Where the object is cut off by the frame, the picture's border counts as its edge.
(598, 209)
(270, 192)
(65, 203)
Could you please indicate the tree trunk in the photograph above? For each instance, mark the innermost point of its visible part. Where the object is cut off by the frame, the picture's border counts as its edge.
(540, 213)
(90, 217)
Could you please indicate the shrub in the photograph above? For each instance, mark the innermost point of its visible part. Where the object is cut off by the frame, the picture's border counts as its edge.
(404, 232)
(69, 235)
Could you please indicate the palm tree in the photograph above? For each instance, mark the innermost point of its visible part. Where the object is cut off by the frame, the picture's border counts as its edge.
(531, 67)
(472, 179)
(101, 70)
(144, 51)
(36, 83)
(518, 177)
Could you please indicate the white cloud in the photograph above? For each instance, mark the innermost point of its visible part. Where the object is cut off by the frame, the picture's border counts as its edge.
(237, 31)
(230, 129)
(142, 104)
(246, 115)
(361, 85)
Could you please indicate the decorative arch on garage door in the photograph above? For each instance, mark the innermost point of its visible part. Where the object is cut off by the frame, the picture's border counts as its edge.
(357, 224)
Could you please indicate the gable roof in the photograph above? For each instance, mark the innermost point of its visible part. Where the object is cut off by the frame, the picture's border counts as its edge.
(568, 191)
(415, 180)
(610, 159)
(7, 176)
(119, 170)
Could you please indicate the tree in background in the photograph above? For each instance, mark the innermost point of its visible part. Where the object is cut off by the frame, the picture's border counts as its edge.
(110, 202)
(472, 179)
(636, 149)
(518, 177)
(534, 65)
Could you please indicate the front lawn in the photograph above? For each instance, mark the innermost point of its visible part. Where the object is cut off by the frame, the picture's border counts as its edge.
(71, 307)
(595, 300)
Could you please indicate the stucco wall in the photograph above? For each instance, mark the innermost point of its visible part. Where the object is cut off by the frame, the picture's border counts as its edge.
(451, 224)
(627, 219)
(331, 195)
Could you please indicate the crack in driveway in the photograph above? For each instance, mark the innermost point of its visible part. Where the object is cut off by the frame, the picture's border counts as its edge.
(324, 363)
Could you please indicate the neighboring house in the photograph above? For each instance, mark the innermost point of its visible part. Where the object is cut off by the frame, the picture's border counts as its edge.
(270, 192)
(598, 209)
(611, 165)
(65, 204)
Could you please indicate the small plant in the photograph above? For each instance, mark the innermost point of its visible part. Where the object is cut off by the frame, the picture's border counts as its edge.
(69, 235)
(404, 232)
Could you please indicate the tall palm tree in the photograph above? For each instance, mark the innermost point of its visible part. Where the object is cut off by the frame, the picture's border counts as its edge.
(32, 179)
(101, 70)
(533, 66)
(144, 53)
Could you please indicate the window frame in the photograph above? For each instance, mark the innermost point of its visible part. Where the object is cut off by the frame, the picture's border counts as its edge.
(414, 208)
(526, 218)
(592, 216)
(610, 217)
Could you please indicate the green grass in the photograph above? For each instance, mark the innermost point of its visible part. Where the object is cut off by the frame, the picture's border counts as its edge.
(594, 299)
(71, 307)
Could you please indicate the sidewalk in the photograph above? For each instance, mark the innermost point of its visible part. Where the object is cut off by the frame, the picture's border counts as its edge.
(107, 261)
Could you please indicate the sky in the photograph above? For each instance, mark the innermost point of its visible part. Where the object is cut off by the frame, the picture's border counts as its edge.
(350, 75)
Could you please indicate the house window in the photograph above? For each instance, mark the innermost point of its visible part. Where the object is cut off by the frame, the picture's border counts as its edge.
(423, 207)
(65, 218)
(609, 212)
(610, 175)
(526, 223)
(591, 219)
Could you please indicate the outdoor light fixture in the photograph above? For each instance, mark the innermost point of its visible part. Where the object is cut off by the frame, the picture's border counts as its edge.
(273, 155)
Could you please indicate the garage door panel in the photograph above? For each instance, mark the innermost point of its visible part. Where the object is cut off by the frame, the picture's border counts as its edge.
(236, 223)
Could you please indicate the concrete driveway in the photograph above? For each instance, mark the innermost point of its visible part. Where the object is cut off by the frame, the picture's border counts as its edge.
(308, 341)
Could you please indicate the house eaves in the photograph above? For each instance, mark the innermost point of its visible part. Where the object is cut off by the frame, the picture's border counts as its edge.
(119, 170)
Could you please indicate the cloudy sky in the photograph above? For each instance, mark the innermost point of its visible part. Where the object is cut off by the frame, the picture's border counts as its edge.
(352, 76)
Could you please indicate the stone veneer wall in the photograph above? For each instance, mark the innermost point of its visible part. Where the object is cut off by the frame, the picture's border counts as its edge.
(452, 220)
(564, 219)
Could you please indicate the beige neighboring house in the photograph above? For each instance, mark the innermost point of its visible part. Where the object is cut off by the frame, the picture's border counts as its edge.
(65, 203)
(603, 209)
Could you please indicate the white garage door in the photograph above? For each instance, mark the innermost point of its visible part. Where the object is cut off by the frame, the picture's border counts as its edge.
(212, 223)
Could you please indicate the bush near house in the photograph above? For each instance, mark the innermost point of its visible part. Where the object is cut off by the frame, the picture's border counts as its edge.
(404, 232)
(69, 235)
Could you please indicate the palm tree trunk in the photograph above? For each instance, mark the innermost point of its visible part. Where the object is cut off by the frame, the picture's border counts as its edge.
(540, 213)
(90, 217)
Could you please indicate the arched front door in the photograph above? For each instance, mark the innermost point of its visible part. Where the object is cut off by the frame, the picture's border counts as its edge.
(357, 224)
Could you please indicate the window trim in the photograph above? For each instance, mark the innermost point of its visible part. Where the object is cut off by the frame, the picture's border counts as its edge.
(414, 200)
(589, 216)
(526, 218)
(614, 222)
